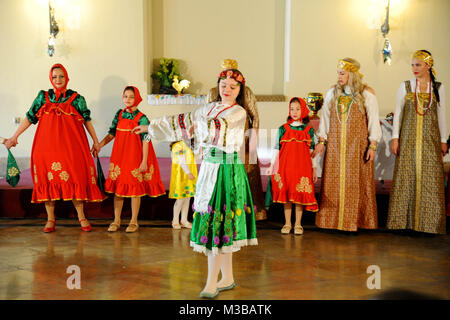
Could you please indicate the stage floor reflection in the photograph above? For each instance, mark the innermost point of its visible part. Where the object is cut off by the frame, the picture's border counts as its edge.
(157, 263)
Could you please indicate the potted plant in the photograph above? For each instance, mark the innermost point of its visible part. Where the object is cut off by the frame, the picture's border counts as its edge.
(168, 69)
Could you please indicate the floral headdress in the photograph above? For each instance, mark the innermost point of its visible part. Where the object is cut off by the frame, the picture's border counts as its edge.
(232, 73)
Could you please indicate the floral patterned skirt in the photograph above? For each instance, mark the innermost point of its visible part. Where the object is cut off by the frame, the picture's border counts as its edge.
(229, 222)
(62, 167)
(124, 178)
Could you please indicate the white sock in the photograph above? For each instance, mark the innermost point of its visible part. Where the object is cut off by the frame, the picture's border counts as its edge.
(214, 262)
(185, 210)
(176, 211)
(227, 270)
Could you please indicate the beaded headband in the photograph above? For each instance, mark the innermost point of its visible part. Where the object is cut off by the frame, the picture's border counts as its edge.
(229, 64)
(236, 75)
(425, 57)
(342, 64)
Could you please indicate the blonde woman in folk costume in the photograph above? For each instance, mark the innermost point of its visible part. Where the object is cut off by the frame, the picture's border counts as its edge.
(417, 199)
(251, 141)
(224, 217)
(350, 129)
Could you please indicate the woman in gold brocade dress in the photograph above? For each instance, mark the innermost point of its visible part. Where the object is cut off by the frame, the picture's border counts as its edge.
(417, 199)
(350, 128)
(251, 162)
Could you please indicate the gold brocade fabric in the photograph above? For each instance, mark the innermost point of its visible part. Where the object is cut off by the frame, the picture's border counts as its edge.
(254, 180)
(417, 199)
(253, 170)
(348, 186)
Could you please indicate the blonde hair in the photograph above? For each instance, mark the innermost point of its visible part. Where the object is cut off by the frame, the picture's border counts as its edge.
(356, 85)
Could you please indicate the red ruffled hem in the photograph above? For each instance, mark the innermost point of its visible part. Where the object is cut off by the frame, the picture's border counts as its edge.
(66, 191)
(135, 190)
(310, 204)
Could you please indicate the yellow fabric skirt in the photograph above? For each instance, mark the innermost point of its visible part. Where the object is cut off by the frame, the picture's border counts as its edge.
(180, 185)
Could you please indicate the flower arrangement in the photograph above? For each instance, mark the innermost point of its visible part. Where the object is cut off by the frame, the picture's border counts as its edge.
(168, 69)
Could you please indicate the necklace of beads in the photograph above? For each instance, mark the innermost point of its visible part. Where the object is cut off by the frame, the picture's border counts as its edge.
(347, 109)
(417, 103)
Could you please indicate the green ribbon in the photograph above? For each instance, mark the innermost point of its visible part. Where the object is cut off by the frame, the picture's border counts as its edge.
(268, 200)
(100, 176)
(12, 170)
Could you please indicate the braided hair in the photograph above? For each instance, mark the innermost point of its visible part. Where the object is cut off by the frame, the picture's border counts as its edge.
(433, 81)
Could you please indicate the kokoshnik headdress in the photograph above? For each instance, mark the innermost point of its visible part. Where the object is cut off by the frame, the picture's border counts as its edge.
(229, 64)
(425, 57)
(342, 64)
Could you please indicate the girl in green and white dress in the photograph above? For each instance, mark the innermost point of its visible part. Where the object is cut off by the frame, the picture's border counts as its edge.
(224, 215)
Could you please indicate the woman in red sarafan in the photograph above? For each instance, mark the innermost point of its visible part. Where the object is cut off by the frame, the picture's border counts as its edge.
(133, 167)
(293, 171)
(62, 167)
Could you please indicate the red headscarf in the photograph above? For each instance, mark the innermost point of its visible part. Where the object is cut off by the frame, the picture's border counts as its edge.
(59, 91)
(137, 98)
(304, 109)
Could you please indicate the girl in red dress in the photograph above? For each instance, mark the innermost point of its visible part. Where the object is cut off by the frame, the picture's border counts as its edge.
(61, 164)
(133, 167)
(293, 171)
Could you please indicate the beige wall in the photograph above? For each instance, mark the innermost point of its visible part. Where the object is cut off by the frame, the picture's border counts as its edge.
(201, 33)
(339, 29)
(113, 43)
(321, 32)
(103, 52)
